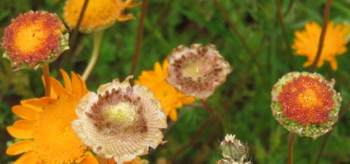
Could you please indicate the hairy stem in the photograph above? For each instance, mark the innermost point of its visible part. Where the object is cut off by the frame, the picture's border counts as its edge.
(95, 53)
(139, 37)
(326, 13)
(291, 140)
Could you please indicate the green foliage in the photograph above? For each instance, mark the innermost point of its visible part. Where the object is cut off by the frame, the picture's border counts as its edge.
(250, 37)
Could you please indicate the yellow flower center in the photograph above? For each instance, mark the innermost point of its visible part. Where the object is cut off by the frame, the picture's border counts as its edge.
(193, 70)
(29, 38)
(123, 113)
(308, 99)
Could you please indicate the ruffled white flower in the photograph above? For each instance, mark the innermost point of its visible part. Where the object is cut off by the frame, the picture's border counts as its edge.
(198, 70)
(120, 121)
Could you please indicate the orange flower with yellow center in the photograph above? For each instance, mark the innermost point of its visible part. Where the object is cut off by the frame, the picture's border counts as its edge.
(98, 15)
(44, 131)
(34, 38)
(336, 38)
(305, 103)
(169, 97)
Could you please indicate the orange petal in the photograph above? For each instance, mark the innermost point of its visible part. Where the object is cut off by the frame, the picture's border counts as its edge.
(27, 158)
(89, 159)
(26, 112)
(57, 87)
(21, 129)
(19, 147)
(78, 85)
(66, 79)
(173, 115)
(38, 102)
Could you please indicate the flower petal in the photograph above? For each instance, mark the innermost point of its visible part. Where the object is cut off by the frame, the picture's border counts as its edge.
(57, 88)
(66, 79)
(78, 86)
(89, 159)
(27, 158)
(19, 147)
(26, 112)
(38, 103)
(21, 129)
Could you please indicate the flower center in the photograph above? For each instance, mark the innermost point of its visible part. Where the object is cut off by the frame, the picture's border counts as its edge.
(122, 113)
(29, 38)
(195, 69)
(308, 99)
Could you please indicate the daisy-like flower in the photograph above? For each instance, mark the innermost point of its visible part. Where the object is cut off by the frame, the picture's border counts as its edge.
(233, 151)
(34, 38)
(120, 121)
(99, 14)
(169, 97)
(44, 133)
(198, 70)
(305, 103)
(336, 38)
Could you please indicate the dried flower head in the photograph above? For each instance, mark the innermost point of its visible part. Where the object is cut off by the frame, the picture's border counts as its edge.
(305, 103)
(336, 38)
(99, 14)
(198, 70)
(33, 38)
(120, 121)
(43, 132)
(169, 97)
(233, 151)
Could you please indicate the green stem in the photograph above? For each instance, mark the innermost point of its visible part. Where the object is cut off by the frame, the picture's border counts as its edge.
(322, 146)
(95, 53)
(291, 140)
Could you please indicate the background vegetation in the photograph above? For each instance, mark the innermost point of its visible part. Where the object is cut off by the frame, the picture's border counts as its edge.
(255, 36)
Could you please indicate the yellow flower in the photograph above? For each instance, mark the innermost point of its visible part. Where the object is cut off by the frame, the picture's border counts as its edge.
(306, 43)
(169, 97)
(44, 133)
(99, 14)
(33, 38)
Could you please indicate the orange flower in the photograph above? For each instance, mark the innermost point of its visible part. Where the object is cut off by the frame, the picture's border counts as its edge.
(98, 15)
(306, 43)
(305, 103)
(169, 97)
(34, 38)
(44, 131)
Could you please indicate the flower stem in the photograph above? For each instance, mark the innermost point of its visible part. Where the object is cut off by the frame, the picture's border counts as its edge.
(46, 74)
(322, 146)
(325, 139)
(76, 29)
(291, 140)
(326, 13)
(95, 53)
(139, 37)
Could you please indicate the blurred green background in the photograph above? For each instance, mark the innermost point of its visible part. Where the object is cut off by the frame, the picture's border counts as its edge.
(251, 36)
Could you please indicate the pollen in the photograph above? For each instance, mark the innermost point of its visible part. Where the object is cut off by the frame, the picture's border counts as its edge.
(123, 112)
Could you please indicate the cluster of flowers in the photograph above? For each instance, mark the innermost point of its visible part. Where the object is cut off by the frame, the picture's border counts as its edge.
(120, 121)
(123, 119)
